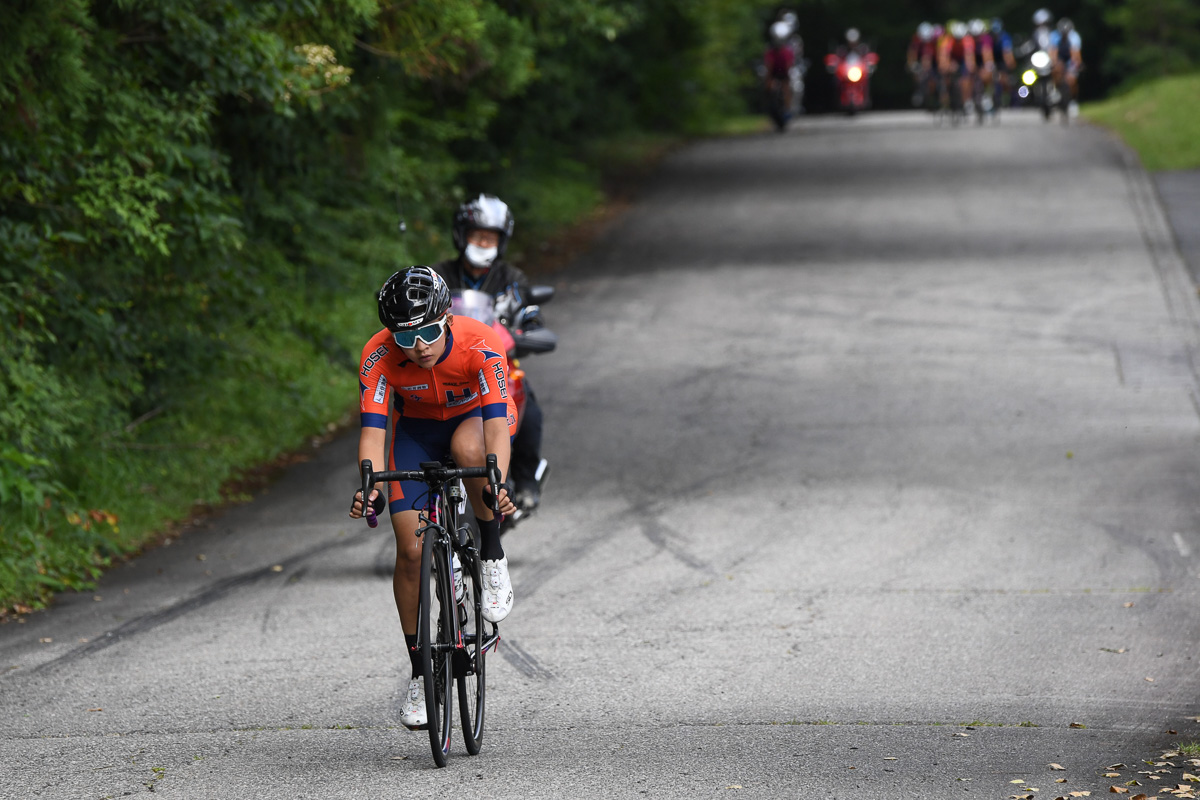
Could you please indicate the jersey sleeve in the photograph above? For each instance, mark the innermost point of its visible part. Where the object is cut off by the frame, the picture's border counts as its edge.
(373, 385)
(491, 371)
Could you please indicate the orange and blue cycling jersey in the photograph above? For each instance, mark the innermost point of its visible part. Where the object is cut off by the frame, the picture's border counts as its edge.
(427, 405)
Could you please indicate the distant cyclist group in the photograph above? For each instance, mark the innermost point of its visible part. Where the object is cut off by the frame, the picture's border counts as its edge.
(963, 68)
(968, 67)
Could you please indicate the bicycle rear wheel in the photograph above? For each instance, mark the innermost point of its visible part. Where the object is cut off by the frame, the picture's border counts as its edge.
(469, 668)
(436, 624)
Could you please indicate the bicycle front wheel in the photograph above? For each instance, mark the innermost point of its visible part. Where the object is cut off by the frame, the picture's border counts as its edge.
(436, 625)
(469, 669)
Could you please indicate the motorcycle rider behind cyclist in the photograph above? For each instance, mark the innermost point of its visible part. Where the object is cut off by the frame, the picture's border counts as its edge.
(1039, 39)
(481, 231)
(447, 381)
(1066, 59)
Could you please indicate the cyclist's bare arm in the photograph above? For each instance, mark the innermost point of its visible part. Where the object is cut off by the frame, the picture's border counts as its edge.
(495, 440)
(371, 443)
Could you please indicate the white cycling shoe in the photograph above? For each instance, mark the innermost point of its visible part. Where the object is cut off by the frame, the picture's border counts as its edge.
(412, 713)
(497, 590)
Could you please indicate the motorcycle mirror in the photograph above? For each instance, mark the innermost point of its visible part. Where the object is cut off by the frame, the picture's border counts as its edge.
(542, 340)
(540, 294)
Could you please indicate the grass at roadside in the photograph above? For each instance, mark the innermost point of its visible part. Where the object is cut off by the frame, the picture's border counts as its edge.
(1160, 120)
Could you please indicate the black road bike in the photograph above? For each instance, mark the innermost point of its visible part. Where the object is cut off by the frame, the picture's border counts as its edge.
(452, 635)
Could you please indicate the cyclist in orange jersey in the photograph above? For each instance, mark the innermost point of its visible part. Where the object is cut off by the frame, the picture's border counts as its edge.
(447, 381)
(956, 61)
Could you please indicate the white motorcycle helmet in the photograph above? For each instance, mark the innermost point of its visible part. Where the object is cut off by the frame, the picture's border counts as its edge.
(485, 212)
(976, 27)
(852, 36)
(925, 32)
(780, 31)
(1042, 17)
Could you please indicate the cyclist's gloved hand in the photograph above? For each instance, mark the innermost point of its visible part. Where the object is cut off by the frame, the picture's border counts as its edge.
(506, 504)
(378, 503)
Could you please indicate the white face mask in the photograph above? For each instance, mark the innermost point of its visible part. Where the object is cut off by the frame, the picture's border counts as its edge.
(481, 257)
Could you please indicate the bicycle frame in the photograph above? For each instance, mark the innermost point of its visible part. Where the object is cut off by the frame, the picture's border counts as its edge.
(451, 647)
(429, 524)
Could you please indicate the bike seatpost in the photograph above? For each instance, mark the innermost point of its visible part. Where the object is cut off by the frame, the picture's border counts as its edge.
(368, 482)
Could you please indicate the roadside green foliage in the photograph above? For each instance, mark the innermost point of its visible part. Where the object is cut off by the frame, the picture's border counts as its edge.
(198, 197)
(1158, 119)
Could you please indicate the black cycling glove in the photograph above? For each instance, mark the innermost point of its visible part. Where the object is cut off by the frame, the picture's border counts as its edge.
(378, 504)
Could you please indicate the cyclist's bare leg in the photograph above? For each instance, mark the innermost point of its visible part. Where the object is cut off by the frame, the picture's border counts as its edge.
(406, 579)
(468, 446)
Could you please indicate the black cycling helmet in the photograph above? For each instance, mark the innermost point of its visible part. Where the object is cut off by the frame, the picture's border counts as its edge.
(412, 297)
(486, 212)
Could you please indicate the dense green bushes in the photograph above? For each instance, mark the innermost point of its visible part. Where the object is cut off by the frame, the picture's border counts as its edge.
(196, 198)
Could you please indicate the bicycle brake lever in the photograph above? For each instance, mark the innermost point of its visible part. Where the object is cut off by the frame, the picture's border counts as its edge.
(493, 471)
(368, 481)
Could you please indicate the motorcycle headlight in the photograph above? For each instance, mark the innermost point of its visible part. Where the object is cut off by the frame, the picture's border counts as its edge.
(854, 74)
(1040, 59)
(1029, 77)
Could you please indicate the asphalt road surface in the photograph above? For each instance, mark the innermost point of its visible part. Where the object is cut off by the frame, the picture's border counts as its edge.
(876, 474)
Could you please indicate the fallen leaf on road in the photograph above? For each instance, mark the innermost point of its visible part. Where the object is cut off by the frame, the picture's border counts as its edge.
(734, 786)
(1018, 780)
(1057, 767)
(964, 735)
(1187, 776)
(1118, 790)
(1081, 794)
(46, 640)
(1061, 780)
(889, 758)
(1129, 605)
(1149, 680)
(1112, 774)
(277, 568)
(95, 709)
(1077, 725)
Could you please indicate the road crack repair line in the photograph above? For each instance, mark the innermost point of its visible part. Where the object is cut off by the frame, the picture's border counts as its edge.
(204, 597)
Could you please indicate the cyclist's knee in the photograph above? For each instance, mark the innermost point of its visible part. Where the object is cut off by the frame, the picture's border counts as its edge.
(408, 546)
(468, 450)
